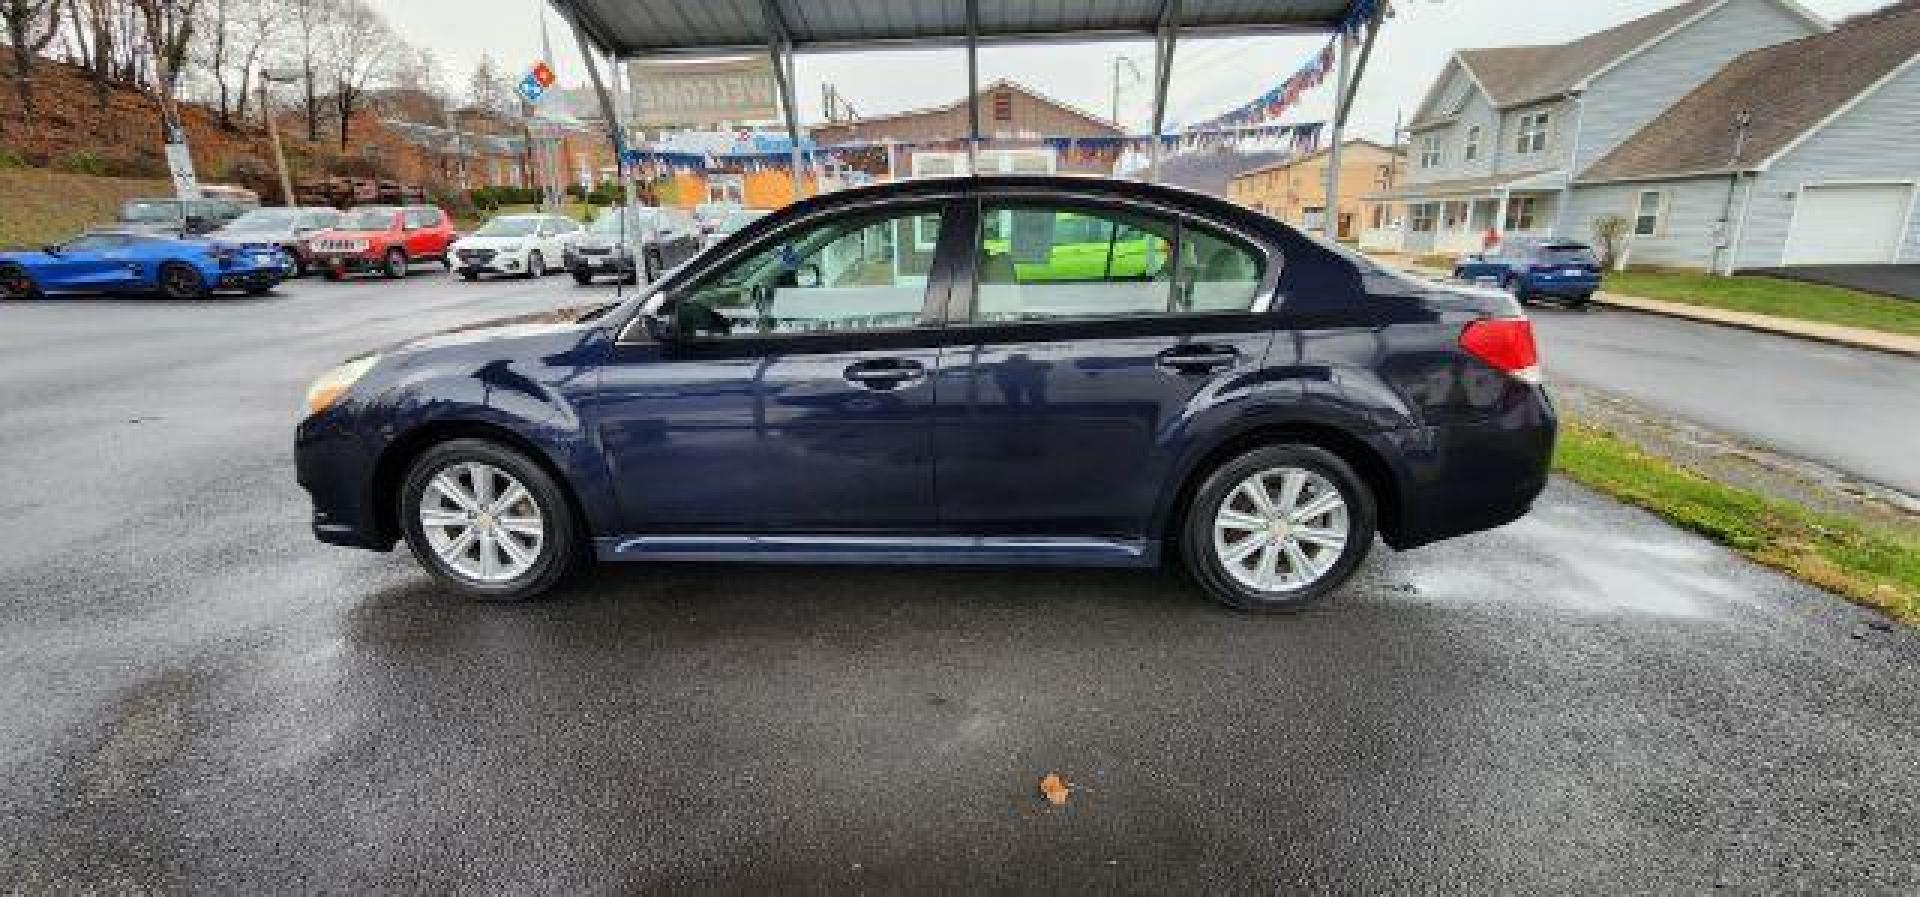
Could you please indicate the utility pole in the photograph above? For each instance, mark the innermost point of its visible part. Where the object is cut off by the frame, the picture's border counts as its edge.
(277, 76)
(1742, 123)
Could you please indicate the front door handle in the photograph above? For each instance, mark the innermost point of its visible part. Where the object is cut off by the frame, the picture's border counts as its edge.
(1194, 359)
(885, 373)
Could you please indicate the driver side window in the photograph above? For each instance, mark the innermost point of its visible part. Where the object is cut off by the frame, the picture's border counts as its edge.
(860, 273)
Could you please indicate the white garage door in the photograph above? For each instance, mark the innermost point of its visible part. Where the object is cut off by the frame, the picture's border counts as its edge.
(1852, 224)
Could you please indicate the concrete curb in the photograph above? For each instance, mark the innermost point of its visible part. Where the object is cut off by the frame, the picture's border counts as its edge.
(1847, 337)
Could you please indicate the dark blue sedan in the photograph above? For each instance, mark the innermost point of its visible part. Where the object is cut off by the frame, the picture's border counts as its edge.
(138, 263)
(1001, 370)
(1535, 269)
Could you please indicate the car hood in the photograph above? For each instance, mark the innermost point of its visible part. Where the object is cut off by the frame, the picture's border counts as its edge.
(146, 228)
(490, 242)
(224, 235)
(557, 320)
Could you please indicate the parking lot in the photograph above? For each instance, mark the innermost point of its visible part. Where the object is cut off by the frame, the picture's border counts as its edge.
(199, 695)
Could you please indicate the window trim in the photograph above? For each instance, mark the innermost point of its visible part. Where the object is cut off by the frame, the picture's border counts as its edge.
(963, 288)
(953, 209)
(1470, 148)
(1430, 150)
(1659, 212)
(1534, 128)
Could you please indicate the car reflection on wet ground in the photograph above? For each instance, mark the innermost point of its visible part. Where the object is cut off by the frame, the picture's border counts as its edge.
(202, 697)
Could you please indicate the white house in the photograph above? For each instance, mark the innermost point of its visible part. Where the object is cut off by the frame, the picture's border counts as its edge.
(1540, 140)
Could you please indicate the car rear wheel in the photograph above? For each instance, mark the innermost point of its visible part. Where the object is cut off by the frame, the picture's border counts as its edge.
(1278, 528)
(16, 283)
(181, 281)
(487, 521)
(536, 265)
(582, 278)
(396, 264)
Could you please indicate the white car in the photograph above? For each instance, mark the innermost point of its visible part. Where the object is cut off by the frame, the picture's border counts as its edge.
(521, 245)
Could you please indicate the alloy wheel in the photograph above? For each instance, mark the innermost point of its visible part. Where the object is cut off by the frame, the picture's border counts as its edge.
(1281, 529)
(482, 522)
(179, 282)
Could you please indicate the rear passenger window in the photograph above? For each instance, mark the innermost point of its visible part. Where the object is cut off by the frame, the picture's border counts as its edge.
(1040, 263)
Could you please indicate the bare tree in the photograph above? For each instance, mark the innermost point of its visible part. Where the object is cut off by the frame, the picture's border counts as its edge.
(311, 20)
(360, 50)
(31, 25)
(486, 88)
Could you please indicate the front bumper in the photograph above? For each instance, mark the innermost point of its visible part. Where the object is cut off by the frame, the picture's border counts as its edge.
(599, 263)
(354, 263)
(336, 468)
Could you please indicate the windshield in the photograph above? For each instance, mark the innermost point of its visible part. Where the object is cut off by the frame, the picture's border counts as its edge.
(1574, 254)
(609, 223)
(264, 220)
(508, 227)
(148, 211)
(735, 221)
(367, 219)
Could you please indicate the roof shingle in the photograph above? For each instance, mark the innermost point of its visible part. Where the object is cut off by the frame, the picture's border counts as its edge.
(1790, 88)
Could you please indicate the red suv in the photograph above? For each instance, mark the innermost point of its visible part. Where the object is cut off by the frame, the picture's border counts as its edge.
(386, 239)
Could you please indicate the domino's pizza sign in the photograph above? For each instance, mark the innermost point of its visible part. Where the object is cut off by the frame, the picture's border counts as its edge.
(535, 84)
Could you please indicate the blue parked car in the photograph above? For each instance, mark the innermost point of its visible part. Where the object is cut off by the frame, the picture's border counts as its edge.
(993, 370)
(1534, 269)
(137, 263)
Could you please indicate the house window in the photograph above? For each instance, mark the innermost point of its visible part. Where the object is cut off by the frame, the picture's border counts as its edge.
(1454, 215)
(1003, 107)
(1471, 151)
(1521, 211)
(1379, 216)
(1650, 213)
(1423, 217)
(1430, 151)
(1533, 133)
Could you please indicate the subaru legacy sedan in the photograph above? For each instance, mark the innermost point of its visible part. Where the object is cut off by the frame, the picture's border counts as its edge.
(992, 370)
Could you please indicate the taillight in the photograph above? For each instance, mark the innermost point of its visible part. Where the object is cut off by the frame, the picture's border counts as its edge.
(1505, 344)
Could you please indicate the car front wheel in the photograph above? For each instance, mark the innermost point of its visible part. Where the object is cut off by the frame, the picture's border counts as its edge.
(396, 266)
(1278, 528)
(487, 521)
(181, 281)
(16, 283)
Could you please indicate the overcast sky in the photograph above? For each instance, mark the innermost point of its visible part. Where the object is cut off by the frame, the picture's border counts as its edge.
(1209, 76)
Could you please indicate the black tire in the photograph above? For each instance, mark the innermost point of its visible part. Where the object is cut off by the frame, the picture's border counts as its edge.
(395, 266)
(299, 261)
(1582, 303)
(259, 291)
(469, 275)
(446, 261)
(16, 283)
(1513, 285)
(1197, 530)
(178, 280)
(563, 546)
(582, 278)
(536, 265)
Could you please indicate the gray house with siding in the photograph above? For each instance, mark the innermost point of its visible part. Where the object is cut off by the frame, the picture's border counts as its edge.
(1806, 152)
(1504, 136)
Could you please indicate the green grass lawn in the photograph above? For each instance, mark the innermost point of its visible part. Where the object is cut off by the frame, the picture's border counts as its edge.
(1877, 568)
(1772, 296)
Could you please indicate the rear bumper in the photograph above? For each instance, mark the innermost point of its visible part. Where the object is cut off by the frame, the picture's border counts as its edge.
(598, 264)
(351, 264)
(1463, 478)
(1569, 287)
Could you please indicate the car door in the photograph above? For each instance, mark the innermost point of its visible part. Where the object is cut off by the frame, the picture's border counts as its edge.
(417, 233)
(1083, 331)
(795, 394)
(82, 263)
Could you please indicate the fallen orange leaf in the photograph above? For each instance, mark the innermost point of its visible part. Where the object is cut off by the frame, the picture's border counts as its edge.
(1055, 789)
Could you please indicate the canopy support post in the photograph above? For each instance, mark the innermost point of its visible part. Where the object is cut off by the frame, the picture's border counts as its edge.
(780, 47)
(973, 87)
(1164, 38)
(610, 113)
(1349, 87)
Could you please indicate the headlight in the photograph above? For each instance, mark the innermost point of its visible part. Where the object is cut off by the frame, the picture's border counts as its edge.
(330, 386)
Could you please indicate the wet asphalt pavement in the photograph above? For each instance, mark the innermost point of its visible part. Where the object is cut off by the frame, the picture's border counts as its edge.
(200, 697)
(1850, 409)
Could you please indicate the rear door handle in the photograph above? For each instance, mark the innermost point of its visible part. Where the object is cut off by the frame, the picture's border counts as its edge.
(1192, 359)
(885, 373)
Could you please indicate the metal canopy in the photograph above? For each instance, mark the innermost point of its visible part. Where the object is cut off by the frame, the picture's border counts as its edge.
(632, 28)
(627, 29)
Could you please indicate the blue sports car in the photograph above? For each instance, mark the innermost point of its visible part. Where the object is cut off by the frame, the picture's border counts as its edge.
(136, 263)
